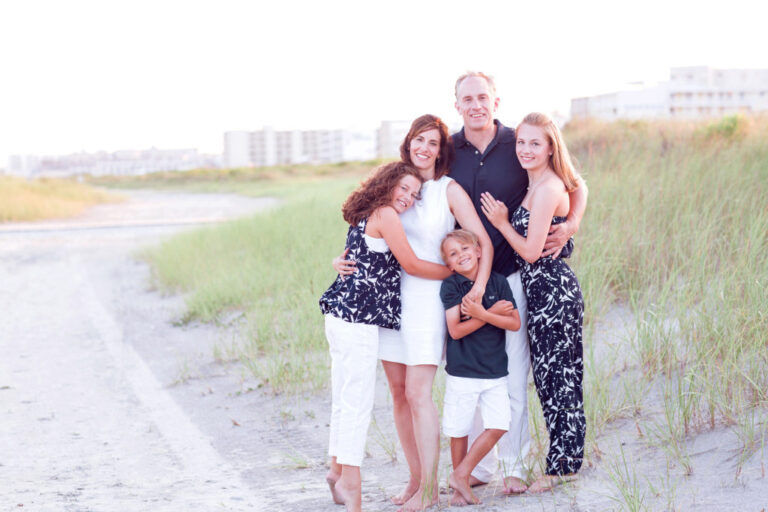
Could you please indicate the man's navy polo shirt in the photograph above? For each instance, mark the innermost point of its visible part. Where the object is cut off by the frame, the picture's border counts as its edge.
(497, 171)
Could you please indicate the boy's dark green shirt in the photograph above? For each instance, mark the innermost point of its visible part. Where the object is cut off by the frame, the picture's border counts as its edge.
(481, 354)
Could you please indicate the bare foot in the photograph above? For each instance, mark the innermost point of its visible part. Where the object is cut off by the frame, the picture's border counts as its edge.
(457, 500)
(419, 502)
(349, 496)
(548, 482)
(514, 485)
(408, 492)
(474, 481)
(332, 478)
(462, 487)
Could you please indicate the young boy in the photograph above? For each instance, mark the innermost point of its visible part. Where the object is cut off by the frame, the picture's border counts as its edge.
(476, 359)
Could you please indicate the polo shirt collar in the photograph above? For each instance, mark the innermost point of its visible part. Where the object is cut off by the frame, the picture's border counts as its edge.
(503, 134)
(462, 279)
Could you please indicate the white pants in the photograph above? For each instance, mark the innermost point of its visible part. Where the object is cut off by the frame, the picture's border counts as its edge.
(514, 445)
(354, 351)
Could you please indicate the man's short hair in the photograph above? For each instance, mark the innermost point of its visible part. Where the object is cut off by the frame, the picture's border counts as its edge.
(488, 78)
(461, 236)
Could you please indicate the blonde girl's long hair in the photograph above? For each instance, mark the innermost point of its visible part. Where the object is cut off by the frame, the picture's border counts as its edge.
(560, 161)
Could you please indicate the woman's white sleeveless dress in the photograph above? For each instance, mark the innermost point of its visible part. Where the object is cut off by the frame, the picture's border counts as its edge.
(421, 339)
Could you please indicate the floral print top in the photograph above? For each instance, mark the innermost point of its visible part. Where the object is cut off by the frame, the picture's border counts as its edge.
(371, 295)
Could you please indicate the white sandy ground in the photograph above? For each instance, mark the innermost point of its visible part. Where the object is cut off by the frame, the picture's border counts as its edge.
(106, 405)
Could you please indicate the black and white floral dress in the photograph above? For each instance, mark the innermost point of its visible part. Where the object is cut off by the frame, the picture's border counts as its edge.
(555, 317)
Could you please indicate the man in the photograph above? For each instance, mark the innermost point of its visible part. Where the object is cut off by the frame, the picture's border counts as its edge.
(486, 161)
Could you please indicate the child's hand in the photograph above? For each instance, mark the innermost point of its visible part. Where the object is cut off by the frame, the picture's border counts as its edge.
(503, 307)
(471, 307)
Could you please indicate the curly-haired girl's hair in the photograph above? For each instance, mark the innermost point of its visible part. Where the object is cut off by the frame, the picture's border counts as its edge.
(446, 155)
(376, 191)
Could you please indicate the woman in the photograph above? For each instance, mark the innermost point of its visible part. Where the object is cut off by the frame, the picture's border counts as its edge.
(555, 303)
(410, 357)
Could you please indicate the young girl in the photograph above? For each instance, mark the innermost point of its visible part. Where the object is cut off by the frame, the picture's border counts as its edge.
(357, 305)
(555, 303)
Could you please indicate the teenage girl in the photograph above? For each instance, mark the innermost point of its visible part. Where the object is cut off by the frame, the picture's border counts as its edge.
(555, 302)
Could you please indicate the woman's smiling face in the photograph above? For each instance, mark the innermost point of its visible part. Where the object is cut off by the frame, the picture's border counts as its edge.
(424, 149)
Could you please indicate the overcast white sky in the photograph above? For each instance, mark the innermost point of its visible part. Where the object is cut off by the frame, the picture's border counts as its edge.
(114, 74)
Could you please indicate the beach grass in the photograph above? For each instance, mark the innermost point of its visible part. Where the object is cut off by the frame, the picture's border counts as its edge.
(267, 269)
(47, 198)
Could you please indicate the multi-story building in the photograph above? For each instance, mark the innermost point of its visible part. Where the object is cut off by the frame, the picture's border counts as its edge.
(270, 147)
(323, 146)
(389, 136)
(690, 93)
(237, 149)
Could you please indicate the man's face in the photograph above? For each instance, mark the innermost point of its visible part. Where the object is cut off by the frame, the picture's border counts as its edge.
(476, 103)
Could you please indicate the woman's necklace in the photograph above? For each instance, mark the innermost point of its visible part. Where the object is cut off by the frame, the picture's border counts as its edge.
(533, 185)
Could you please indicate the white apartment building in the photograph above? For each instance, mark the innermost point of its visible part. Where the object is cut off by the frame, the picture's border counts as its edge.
(237, 149)
(323, 146)
(268, 147)
(690, 93)
(389, 136)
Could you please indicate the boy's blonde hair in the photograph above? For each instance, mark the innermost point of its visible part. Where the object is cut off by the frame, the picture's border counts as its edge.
(461, 236)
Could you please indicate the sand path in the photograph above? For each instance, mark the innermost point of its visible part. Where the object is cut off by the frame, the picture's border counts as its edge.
(85, 424)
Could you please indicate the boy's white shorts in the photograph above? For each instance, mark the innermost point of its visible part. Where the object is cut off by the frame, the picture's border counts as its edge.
(462, 395)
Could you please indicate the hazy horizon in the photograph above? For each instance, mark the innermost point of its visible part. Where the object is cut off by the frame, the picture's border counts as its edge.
(96, 76)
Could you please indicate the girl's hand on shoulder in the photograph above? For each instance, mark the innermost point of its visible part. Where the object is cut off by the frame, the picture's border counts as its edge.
(496, 211)
(344, 266)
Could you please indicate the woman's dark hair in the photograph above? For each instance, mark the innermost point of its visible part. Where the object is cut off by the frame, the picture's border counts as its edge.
(376, 191)
(445, 157)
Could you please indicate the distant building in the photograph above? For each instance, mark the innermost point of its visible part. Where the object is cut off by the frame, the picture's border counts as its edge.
(237, 149)
(389, 137)
(118, 163)
(691, 93)
(267, 147)
(323, 146)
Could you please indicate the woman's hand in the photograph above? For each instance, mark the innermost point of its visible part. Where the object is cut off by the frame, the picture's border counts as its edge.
(496, 211)
(344, 266)
(477, 291)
